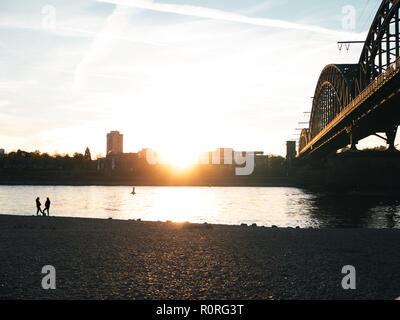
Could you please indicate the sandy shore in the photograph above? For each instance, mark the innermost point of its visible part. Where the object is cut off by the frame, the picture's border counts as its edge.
(110, 259)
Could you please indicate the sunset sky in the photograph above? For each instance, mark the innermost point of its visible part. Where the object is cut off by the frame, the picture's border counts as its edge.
(178, 76)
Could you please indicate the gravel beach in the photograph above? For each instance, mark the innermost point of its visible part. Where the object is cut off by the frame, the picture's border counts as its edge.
(114, 259)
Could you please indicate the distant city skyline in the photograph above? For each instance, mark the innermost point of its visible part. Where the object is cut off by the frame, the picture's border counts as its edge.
(175, 76)
(115, 148)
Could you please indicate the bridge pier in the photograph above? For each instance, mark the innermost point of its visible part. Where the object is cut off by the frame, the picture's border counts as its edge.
(351, 130)
(354, 101)
(353, 142)
(391, 137)
(391, 133)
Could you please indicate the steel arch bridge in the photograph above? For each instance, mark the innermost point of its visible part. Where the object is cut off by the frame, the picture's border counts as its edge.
(353, 101)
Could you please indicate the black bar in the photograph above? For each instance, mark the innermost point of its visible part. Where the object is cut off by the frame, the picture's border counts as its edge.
(197, 309)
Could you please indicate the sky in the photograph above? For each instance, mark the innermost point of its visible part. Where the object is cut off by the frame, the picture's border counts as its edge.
(177, 76)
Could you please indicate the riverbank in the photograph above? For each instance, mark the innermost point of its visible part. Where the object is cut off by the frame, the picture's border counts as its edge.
(112, 259)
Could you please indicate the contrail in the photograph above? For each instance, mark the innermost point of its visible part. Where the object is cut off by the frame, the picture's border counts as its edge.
(116, 37)
(216, 14)
(88, 33)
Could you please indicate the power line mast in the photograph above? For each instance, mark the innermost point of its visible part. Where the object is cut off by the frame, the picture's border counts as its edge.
(347, 44)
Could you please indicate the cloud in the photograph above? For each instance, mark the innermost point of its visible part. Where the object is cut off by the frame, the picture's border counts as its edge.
(4, 103)
(263, 6)
(103, 43)
(117, 37)
(215, 83)
(12, 85)
(215, 14)
(65, 30)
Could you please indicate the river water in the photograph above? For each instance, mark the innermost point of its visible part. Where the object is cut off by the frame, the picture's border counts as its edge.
(265, 206)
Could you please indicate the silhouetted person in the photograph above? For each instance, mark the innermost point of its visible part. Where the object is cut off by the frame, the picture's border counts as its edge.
(46, 207)
(38, 204)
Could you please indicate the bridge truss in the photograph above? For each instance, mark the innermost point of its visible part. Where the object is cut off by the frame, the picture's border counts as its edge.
(342, 88)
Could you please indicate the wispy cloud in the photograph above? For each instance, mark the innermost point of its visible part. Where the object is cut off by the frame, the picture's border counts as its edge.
(203, 12)
(117, 37)
(68, 31)
(103, 43)
(263, 6)
(11, 85)
(138, 70)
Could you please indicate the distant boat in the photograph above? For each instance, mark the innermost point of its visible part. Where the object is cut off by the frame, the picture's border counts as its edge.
(133, 191)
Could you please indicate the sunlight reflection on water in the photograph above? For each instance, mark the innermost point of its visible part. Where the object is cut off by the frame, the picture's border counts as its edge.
(284, 207)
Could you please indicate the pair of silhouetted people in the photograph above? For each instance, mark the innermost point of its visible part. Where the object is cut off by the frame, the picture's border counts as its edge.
(46, 207)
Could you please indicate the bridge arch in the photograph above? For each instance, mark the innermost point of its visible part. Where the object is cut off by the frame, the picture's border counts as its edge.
(334, 91)
(381, 47)
(339, 85)
(304, 138)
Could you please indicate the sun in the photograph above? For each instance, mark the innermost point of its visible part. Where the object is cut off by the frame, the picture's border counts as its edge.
(181, 159)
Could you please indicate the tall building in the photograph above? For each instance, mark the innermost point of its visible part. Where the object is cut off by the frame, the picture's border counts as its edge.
(115, 143)
(291, 150)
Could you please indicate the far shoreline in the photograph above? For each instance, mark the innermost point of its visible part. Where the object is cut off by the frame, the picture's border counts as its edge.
(281, 184)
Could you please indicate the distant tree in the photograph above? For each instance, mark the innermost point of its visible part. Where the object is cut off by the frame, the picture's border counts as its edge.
(88, 156)
(78, 156)
(23, 154)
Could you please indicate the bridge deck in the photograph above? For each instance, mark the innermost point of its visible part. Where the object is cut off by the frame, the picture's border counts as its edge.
(338, 125)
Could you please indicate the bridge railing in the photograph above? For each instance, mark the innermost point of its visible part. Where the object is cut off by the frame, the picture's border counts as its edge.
(366, 93)
(373, 86)
(393, 68)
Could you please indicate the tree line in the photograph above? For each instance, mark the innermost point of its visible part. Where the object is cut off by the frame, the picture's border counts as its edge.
(38, 160)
